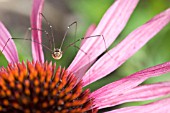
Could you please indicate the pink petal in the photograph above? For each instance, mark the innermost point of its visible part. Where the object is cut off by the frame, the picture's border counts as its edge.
(110, 26)
(88, 33)
(10, 51)
(161, 106)
(37, 51)
(83, 70)
(129, 82)
(141, 93)
(129, 46)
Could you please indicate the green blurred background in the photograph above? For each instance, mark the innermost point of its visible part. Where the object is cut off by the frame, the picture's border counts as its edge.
(60, 13)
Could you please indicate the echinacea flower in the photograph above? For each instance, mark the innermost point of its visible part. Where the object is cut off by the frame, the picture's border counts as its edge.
(38, 87)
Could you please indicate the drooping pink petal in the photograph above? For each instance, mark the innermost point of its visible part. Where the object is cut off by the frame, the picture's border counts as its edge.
(88, 33)
(110, 27)
(9, 51)
(161, 106)
(129, 46)
(36, 19)
(140, 93)
(129, 82)
(84, 69)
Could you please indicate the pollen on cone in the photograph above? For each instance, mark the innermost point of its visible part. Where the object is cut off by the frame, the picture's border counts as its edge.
(40, 88)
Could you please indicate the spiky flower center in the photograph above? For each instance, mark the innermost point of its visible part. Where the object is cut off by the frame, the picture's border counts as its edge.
(39, 88)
